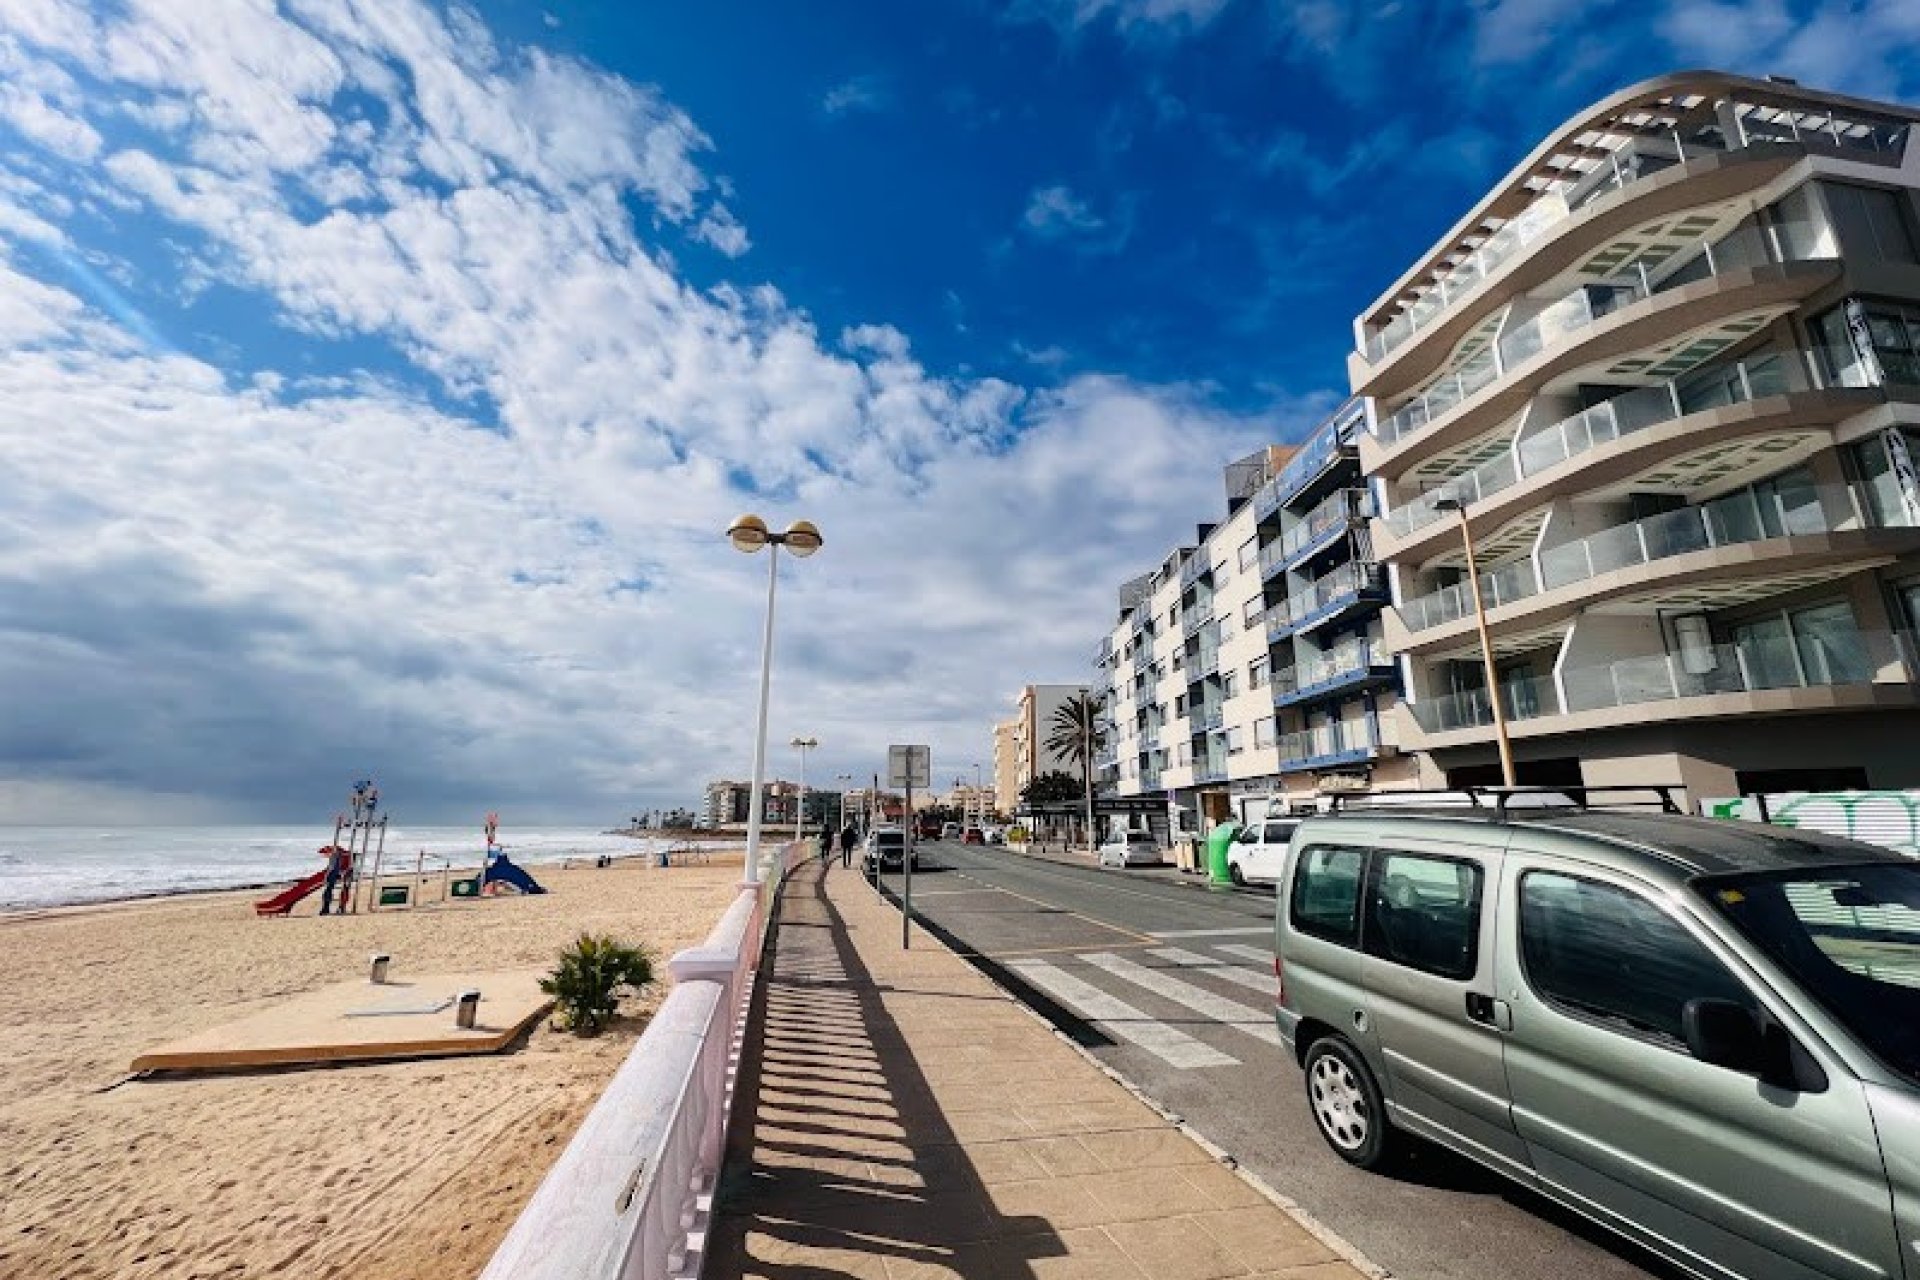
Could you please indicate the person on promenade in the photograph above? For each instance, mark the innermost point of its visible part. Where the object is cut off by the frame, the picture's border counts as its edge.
(847, 838)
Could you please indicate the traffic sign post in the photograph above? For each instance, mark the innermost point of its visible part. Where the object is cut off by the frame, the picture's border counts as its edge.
(907, 767)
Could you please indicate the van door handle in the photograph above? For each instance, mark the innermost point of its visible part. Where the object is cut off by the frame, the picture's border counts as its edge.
(1489, 1012)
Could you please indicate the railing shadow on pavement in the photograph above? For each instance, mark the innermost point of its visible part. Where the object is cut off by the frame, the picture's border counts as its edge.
(841, 1161)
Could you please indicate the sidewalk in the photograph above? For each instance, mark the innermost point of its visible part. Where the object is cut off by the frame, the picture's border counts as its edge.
(902, 1118)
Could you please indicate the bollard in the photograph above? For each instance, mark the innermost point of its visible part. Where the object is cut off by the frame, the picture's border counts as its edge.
(467, 1006)
(378, 972)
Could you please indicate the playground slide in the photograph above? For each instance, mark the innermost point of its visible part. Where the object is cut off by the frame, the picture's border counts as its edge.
(281, 903)
(503, 869)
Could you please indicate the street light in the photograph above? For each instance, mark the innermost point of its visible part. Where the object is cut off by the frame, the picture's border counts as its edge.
(804, 745)
(748, 534)
(1486, 645)
(844, 779)
(979, 800)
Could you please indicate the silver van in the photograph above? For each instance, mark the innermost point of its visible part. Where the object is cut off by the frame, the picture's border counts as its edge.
(1704, 1034)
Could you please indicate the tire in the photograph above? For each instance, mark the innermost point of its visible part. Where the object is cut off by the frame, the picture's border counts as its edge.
(1236, 875)
(1345, 1102)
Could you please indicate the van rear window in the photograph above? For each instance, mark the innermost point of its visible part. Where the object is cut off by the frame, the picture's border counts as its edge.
(1326, 893)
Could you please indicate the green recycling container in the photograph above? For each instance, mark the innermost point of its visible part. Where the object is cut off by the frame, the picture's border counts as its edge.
(1219, 840)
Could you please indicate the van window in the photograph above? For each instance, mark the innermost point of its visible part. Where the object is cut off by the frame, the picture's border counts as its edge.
(1326, 894)
(1424, 912)
(1604, 953)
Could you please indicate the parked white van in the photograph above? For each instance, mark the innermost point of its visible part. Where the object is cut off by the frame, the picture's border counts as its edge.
(1259, 853)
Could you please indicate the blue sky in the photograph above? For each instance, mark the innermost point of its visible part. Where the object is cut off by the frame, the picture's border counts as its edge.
(379, 377)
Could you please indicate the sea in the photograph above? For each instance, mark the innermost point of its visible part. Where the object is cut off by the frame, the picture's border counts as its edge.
(60, 866)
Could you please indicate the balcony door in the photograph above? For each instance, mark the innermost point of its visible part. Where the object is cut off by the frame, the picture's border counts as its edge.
(1820, 645)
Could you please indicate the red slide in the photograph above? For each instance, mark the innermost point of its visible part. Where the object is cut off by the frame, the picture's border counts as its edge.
(281, 903)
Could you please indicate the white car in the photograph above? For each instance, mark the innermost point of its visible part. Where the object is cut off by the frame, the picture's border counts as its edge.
(1130, 849)
(1259, 853)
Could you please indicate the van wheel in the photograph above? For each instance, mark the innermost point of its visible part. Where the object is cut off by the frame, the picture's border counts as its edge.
(1234, 874)
(1346, 1104)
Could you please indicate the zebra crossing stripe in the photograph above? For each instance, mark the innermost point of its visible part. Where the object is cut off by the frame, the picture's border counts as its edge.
(1229, 1013)
(1116, 1018)
(1236, 974)
(1262, 955)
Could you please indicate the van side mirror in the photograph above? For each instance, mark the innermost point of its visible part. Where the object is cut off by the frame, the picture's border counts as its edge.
(1731, 1035)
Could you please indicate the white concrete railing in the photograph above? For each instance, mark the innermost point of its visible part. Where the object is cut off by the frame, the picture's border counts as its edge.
(630, 1197)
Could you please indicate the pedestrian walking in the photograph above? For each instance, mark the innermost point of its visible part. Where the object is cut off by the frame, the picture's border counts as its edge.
(847, 838)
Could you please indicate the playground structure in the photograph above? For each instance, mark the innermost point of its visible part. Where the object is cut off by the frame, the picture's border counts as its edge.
(352, 877)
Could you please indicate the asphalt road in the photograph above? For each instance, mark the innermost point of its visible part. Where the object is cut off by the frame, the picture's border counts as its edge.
(1070, 938)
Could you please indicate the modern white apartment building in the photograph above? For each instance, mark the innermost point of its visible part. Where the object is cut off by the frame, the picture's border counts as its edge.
(1246, 665)
(1670, 366)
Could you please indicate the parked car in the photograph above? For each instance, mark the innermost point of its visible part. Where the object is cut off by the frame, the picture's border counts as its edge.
(996, 835)
(950, 831)
(973, 835)
(1129, 849)
(886, 849)
(1259, 852)
(1701, 1033)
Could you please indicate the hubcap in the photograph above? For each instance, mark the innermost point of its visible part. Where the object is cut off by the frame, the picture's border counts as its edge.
(1339, 1105)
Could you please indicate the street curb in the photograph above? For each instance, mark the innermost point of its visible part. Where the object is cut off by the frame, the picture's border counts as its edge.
(1338, 1244)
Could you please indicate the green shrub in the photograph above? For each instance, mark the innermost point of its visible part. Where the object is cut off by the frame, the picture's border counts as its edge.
(587, 982)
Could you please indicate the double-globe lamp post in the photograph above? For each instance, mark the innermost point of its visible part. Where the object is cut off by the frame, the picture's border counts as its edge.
(748, 534)
(804, 745)
(1486, 645)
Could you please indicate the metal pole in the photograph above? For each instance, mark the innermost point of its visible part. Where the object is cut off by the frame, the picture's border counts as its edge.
(800, 811)
(754, 805)
(1486, 656)
(906, 868)
(373, 901)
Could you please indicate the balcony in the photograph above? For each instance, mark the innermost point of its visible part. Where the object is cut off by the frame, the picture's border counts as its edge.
(1355, 664)
(1769, 374)
(1208, 718)
(1352, 585)
(1329, 745)
(1326, 523)
(1734, 520)
(1810, 674)
(1195, 618)
(1317, 455)
(1745, 271)
(1149, 779)
(1210, 768)
(1103, 652)
(1195, 567)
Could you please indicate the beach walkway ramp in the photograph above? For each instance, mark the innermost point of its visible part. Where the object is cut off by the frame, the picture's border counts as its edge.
(365, 1021)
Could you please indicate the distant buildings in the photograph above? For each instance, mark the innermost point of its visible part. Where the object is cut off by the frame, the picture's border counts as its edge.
(1006, 764)
(727, 803)
(1033, 724)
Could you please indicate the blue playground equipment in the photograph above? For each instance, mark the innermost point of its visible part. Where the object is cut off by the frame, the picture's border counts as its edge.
(505, 870)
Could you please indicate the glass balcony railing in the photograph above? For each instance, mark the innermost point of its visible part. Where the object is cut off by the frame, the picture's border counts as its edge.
(1349, 659)
(1329, 743)
(1560, 320)
(1273, 558)
(1803, 662)
(1769, 374)
(1523, 699)
(1349, 581)
(1740, 517)
(1338, 511)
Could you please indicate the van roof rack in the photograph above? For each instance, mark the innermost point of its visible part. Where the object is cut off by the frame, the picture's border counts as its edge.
(1501, 799)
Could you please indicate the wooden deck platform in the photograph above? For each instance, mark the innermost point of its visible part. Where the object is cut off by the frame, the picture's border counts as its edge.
(411, 1016)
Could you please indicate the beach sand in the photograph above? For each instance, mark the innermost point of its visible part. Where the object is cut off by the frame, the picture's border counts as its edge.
(390, 1171)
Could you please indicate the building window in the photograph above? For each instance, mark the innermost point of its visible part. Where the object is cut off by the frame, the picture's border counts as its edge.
(1264, 732)
(1257, 673)
(1230, 685)
(1895, 332)
(1869, 222)
(1235, 740)
(1250, 552)
(1251, 610)
(1179, 704)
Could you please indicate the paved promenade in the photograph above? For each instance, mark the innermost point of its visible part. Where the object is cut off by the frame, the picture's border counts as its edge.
(909, 1120)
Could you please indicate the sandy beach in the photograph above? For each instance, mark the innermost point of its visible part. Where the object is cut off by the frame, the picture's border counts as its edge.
(400, 1170)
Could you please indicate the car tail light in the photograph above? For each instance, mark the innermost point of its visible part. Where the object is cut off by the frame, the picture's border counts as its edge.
(1280, 976)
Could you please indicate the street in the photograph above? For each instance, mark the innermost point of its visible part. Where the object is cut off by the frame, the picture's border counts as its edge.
(1171, 985)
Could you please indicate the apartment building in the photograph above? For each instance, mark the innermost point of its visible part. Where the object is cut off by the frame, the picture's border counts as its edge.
(1663, 382)
(1006, 765)
(727, 803)
(1246, 666)
(1033, 723)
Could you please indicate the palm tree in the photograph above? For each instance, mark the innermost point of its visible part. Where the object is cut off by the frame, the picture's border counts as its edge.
(1076, 736)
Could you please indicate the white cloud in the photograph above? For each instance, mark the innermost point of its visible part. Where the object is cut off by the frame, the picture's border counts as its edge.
(858, 93)
(243, 585)
(1138, 16)
(1055, 211)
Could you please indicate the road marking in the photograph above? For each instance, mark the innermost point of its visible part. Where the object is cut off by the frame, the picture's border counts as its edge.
(1248, 978)
(1115, 1017)
(1067, 911)
(1228, 1013)
(1213, 933)
(1259, 955)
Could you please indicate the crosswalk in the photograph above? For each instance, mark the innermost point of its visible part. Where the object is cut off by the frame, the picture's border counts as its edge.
(1108, 990)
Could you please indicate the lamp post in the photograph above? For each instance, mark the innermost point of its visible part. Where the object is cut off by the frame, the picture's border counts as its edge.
(1459, 506)
(979, 801)
(748, 534)
(803, 745)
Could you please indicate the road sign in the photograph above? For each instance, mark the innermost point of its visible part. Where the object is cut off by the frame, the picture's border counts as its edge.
(909, 767)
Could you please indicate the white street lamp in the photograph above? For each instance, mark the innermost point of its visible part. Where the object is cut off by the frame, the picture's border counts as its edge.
(748, 534)
(803, 745)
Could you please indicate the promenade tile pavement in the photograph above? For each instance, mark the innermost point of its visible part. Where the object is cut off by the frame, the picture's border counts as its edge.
(901, 1117)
